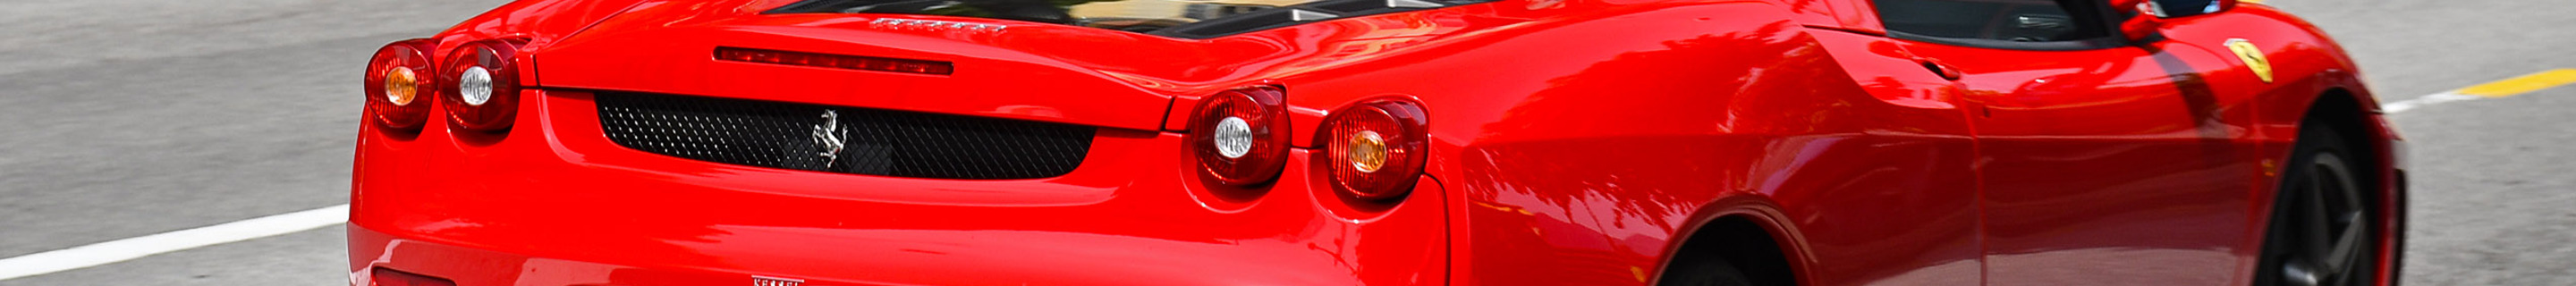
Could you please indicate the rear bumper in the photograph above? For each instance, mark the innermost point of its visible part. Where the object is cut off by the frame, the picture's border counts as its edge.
(556, 203)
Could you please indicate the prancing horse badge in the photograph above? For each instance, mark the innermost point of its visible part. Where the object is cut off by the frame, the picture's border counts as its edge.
(2253, 58)
(830, 137)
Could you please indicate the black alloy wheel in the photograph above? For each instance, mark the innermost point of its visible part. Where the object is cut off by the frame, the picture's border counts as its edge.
(2324, 228)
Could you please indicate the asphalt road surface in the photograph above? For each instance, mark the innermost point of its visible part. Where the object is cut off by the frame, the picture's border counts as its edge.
(126, 118)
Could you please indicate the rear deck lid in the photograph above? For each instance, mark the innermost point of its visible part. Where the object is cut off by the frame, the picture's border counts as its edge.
(1193, 19)
(977, 79)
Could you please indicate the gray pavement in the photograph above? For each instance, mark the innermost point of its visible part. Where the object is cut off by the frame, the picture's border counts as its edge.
(2491, 177)
(121, 118)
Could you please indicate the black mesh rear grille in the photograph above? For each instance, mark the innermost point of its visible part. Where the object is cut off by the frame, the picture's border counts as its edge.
(876, 142)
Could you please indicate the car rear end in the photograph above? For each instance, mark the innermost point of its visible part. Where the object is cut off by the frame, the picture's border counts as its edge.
(713, 143)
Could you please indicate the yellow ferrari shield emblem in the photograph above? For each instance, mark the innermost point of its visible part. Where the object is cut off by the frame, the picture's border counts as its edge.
(2253, 57)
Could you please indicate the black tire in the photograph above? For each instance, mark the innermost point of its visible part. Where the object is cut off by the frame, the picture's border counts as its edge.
(1705, 272)
(2325, 223)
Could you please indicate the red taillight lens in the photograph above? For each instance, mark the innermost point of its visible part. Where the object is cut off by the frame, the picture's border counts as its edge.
(1375, 149)
(1241, 136)
(480, 85)
(388, 277)
(397, 80)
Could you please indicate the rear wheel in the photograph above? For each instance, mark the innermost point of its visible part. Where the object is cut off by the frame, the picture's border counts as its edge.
(2324, 230)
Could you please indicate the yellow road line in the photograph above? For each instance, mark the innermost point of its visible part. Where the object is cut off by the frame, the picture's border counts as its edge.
(2522, 84)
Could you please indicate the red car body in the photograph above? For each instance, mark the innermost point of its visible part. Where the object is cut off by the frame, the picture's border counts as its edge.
(1570, 143)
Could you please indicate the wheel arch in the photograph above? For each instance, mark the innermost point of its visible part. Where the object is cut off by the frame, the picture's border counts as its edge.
(2357, 115)
(1720, 230)
(2342, 109)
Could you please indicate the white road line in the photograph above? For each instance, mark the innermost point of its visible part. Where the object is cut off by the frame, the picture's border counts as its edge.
(103, 253)
(2421, 101)
(2494, 89)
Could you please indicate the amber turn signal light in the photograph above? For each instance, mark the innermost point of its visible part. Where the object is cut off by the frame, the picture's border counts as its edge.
(394, 84)
(1375, 150)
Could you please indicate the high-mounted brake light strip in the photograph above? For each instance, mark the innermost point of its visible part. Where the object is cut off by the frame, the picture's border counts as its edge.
(833, 61)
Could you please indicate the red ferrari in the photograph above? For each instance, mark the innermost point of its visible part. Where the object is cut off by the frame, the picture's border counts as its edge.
(1378, 142)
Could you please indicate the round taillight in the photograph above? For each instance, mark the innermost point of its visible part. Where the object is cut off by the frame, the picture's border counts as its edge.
(1375, 150)
(480, 85)
(1240, 136)
(395, 82)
